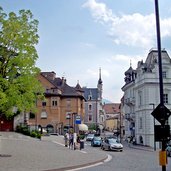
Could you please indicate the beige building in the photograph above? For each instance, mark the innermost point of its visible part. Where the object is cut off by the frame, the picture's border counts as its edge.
(62, 108)
(111, 124)
(112, 116)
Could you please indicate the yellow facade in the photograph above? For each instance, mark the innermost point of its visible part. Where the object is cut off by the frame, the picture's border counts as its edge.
(111, 124)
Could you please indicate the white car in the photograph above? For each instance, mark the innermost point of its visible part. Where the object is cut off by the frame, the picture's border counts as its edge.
(111, 144)
(89, 137)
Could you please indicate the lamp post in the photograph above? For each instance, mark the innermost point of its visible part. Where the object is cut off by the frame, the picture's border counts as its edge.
(152, 104)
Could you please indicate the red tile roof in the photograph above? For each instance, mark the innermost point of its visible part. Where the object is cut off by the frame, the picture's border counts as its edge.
(111, 108)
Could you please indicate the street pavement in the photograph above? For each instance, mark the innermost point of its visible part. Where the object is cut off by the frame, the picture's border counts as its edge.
(23, 153)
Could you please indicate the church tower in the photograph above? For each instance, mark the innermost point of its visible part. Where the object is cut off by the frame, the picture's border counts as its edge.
(100, 86)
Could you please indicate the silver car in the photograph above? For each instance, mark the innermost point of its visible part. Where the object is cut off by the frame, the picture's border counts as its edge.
(111, 144)
(89, 137)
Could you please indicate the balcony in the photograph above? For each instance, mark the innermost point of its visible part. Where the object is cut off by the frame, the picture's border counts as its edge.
(130, 116)
(130, 101)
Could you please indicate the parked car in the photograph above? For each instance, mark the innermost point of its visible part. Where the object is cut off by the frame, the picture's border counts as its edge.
(89, 137)
(96, 141)
(111, 144)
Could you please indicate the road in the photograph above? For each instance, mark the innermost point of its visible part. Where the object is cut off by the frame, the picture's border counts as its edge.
(23, 153)
(131, 159)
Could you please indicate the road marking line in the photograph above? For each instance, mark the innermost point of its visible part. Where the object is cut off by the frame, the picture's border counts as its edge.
(93, 165)
(109, 157)
(81, 151)
(58, 143)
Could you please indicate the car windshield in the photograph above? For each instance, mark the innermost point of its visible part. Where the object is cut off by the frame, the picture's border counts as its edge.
(113, 141)
(90, 135)
(97, 138)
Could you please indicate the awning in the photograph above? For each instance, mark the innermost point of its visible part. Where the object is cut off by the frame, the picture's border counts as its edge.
(83, 127)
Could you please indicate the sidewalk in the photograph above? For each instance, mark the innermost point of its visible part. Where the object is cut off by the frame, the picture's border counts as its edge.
(24, 153)
(137, 146)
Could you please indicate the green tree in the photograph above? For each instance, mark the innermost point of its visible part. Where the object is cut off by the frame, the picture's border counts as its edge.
(19, 86)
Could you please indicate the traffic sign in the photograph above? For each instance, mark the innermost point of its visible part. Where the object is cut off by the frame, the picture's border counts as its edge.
(161, 113)
(162, 132)
(78, 119)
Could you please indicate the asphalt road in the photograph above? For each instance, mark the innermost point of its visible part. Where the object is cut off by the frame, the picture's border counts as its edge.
(23, 153)
(132, 159)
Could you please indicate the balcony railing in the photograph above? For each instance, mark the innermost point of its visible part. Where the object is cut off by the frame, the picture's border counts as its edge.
(130, 101)
(130, 116)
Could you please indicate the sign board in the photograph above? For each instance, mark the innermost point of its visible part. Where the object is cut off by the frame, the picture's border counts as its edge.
(78, 119)
(68, 115)
(161, 132)
(161, 113)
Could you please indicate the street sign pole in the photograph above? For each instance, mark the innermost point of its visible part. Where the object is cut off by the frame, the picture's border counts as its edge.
(160, 72)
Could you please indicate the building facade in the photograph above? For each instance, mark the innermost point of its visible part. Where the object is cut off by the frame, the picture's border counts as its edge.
(61, 107)
(142, 95)
(93, 105)
(112, 117)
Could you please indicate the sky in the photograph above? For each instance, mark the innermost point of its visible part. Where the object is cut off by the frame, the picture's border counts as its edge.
(78, 37)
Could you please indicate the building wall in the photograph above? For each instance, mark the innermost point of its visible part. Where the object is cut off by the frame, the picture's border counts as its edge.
(56, 115)
(111, 124)
(145, 90)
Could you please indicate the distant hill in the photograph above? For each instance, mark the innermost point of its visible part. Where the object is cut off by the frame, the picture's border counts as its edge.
(106, 101)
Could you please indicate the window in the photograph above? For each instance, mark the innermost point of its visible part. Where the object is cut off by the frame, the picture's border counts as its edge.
(43, 115)
(164, 74)
(32, 115)
(89, 118)
(140, 126)
(44, 104)
(165, 98)
(68, 104)
(54, 102)
(89, 107)
(89, 97)
(140, 98)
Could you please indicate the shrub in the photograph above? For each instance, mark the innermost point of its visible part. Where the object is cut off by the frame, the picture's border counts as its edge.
(33, 134)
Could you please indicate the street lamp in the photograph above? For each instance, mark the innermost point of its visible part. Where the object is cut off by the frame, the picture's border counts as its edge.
(152, 104)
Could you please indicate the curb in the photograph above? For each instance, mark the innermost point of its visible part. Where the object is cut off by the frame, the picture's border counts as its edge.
(79, 166)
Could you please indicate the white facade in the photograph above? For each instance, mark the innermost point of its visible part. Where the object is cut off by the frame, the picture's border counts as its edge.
(142, 95)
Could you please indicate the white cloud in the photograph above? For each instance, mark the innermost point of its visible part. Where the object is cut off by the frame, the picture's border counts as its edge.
(125, 58)
(135, 30)
(99, 11)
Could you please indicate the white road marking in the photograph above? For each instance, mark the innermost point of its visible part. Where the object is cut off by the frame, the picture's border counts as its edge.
(81, 151)
(58, 143)
(93, 165)
(109, 157)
